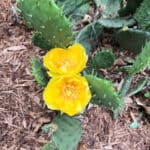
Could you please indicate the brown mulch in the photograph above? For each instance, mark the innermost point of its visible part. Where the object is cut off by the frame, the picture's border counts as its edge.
(22, 112)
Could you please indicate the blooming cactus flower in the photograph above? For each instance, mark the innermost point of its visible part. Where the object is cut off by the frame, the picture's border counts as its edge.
(68, 93)
(63, 61)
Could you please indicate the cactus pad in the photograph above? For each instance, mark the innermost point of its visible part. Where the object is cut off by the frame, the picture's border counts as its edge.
(141, 61)
(142, 15)
(68, 132)
(47, 18)
(105, 94)
(102, 59)
(39, 41)
(132, 39)
(39, 72)
(109, 8)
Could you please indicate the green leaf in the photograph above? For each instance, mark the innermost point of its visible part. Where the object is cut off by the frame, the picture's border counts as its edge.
(39, 72)
(105, 94)
(141, 61)
(116, 22)
(132, 39)
(88, 36)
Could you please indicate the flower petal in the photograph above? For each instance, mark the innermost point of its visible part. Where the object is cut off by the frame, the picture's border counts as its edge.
(60, 61)
(68, 93)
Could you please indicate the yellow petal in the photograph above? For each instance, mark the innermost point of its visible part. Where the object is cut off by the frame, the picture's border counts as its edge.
(68, 93)
(62, 61)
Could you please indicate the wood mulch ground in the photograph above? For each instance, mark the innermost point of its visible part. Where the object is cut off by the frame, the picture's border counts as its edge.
(22, 112)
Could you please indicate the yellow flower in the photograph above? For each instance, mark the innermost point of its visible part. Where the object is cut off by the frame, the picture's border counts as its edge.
(68, 93)
(63, 61)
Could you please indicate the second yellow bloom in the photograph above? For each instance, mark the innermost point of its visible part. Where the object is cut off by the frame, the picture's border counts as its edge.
(63, 61)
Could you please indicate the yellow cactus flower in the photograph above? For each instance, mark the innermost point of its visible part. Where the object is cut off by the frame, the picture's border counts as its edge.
(63, 61)
(68, 93)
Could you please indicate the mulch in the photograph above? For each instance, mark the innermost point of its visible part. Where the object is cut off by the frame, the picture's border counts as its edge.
(22, 112)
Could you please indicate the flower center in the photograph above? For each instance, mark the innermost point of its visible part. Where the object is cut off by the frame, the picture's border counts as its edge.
(69, 91)
(65, 64)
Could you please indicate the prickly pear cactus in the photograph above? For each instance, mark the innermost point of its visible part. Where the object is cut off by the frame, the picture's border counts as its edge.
(109, 8)
(142, 15)
(74, 9)
(116, 22)
(102, 59)
(105, 94)
(132, 39)
(39, 41)
(141, 61)
(47, 18)
(67, 134)
(39, 72)
(88, 36)
(130, 8)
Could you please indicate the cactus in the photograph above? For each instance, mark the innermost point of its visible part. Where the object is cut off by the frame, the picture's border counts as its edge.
(105, 94)
(39, 41)
(139, 87)
(74, 9)
(47, 18)
(88, 36)
(142, 15)
(39, 72)
(132, 39)
(102, 59)
(130, 8)
(116, 22)
(49, 146)
(141, 61)
(67, 134)
(109, 8)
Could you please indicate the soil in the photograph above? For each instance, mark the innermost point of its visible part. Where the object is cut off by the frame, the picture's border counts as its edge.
(22, 112)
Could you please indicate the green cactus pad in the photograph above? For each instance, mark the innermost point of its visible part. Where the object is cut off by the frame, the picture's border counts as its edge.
(116, 22)
(109, 8)
(88, 36)
(132, 39)
(39, 72)
(48, 19)
(105, 94)
(142, 15)
(102, 59)
(49, 146)
(68, 132)
(39, 41)
(130, 8)
(74, 9)
(141, 61)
